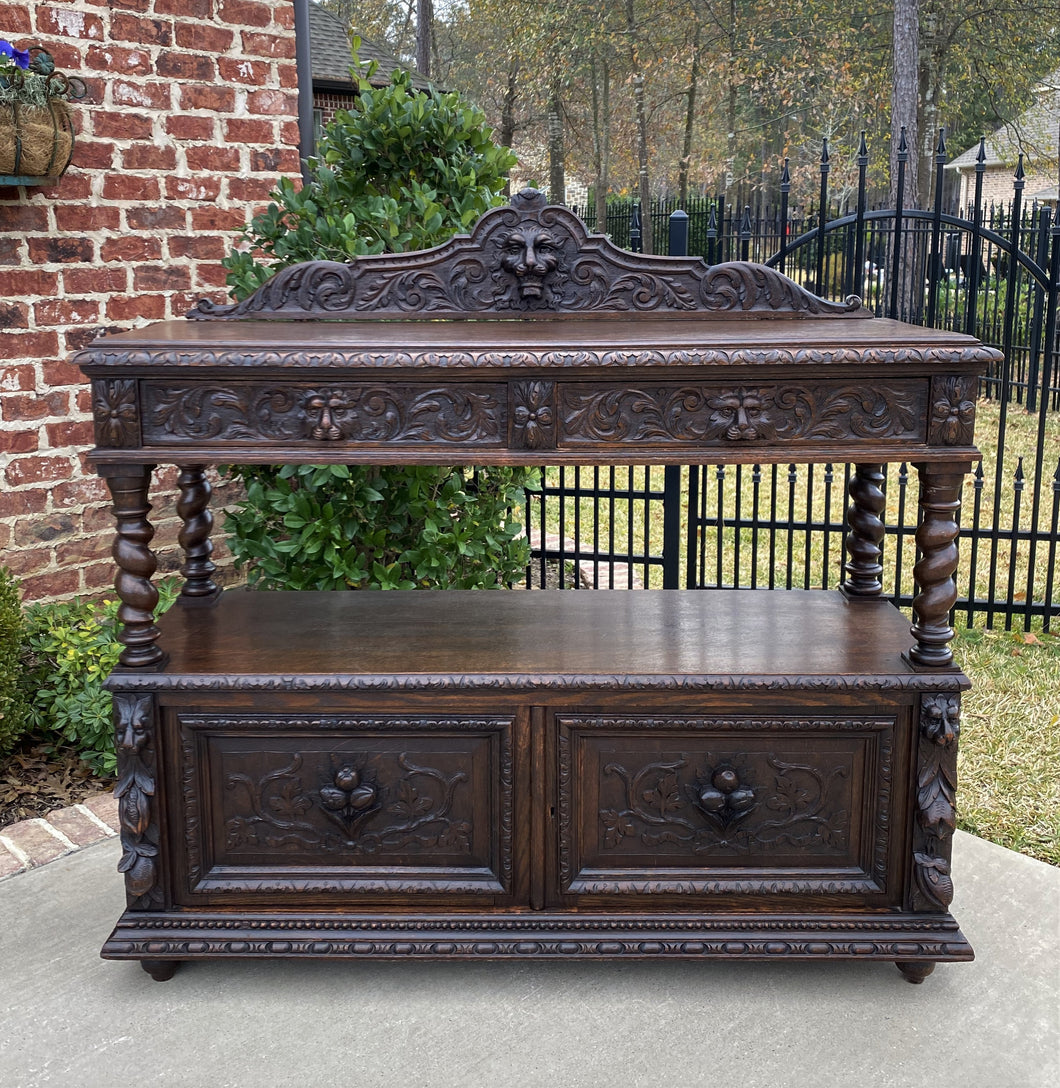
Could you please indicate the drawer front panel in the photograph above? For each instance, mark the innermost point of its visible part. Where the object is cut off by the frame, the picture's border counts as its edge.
(706, 806)
(323, 416)
(713, 414)
(281, 805)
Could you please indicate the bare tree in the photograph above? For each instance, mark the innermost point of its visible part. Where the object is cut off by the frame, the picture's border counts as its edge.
(905, 95)
(424, 35)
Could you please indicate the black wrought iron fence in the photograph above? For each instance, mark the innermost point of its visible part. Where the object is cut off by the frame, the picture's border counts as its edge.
(992, 270)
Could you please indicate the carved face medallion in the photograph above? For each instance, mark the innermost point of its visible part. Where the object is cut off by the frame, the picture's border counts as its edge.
(940, 718)
(743, 414)
(530, 253)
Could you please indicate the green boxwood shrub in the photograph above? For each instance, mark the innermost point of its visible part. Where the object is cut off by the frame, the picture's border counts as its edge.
(403, 169)
(410, 528)
(70, 648)
(13, 710)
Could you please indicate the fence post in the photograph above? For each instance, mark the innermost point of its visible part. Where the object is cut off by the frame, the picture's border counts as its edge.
(746, 233)
(785, 196)
(935, 258)
(860, 271)
(822, 220)
(974, 280)
(1041, 256)
(671, 549)
(634, 230)
(896, 253)
(678, 246)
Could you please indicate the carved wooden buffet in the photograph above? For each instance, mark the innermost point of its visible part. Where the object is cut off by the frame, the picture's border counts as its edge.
(714, 773)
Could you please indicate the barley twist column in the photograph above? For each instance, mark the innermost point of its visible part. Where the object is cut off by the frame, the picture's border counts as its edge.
(936, 538)
(865, 538)
(196, 525)
(136, 563)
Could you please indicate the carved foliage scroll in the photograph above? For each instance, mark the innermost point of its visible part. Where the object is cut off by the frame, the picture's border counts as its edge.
(412, 806)
(705, 806)
(527, 258)
(658, 413)
(135, 790)
(935, 799)
(251, 411)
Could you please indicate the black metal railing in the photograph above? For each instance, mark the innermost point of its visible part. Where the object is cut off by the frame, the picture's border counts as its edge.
(992, 270)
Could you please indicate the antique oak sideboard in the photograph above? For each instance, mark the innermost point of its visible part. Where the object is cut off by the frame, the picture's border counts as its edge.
(712, 773)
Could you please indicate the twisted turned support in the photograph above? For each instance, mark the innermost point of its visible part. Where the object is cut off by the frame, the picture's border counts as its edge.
(864, 540)
(196, 525)
(136, 563)
(936, 539)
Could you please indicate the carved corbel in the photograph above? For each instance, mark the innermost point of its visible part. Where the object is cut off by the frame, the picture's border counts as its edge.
(134, 727)
(935, 798)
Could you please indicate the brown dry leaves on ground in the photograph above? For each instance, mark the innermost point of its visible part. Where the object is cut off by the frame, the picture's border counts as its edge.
(36, 781)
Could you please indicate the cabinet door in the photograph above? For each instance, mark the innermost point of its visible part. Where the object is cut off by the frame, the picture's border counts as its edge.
(739, 807)
(344, 808)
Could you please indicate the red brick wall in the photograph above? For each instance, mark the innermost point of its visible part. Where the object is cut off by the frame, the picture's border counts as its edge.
(190, 119)
(330, 102)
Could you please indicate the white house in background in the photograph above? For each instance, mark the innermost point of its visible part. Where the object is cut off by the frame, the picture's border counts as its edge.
(1036, 132)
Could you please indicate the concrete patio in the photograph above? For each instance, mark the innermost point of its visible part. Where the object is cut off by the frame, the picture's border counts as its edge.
(73, 1019)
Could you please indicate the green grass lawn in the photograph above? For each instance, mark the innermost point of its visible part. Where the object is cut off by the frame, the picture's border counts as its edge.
(1009, 763)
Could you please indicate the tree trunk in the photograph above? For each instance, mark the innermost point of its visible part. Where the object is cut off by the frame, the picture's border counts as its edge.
(424, 35)
(601, 77)
(690, 117)
(640, 116)
(557, 181)
(507, 132)
(904, 98)
(730, 112)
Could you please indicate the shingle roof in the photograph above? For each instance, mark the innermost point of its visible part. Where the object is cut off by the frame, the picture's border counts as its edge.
(331, 57)
(1034, 132)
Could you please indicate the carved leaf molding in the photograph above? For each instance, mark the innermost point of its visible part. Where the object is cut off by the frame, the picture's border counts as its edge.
(936, 798)
(660, 808)
(709, 413)
(135, 791)
(365, 413)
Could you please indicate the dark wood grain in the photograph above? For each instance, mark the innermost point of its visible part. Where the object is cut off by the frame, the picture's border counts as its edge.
(697, 774)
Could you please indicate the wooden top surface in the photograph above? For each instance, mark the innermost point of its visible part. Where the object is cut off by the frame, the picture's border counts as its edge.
(576, 343)
(538, 640)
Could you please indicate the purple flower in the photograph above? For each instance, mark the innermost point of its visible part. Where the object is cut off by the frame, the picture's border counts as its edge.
(19, 56)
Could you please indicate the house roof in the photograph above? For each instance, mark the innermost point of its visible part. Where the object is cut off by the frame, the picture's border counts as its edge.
(331, 56)
(1034, 132)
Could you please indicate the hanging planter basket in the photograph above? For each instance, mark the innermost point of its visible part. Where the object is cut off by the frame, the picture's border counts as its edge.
(36, 131)
(36, 142)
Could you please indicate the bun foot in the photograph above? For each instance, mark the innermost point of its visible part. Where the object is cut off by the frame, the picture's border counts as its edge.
(160, 970)
(915, 971)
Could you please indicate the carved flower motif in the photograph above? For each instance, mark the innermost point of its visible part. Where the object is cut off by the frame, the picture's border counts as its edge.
(115, 414)
(953, 415)
(535, 416)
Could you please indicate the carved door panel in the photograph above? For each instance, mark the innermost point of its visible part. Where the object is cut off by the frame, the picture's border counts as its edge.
(345, 807)
(738, 806)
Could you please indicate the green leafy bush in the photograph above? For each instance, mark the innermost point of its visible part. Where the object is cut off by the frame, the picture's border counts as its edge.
(71, 648)
(412, 527)
(12, 700)
(403, 169)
